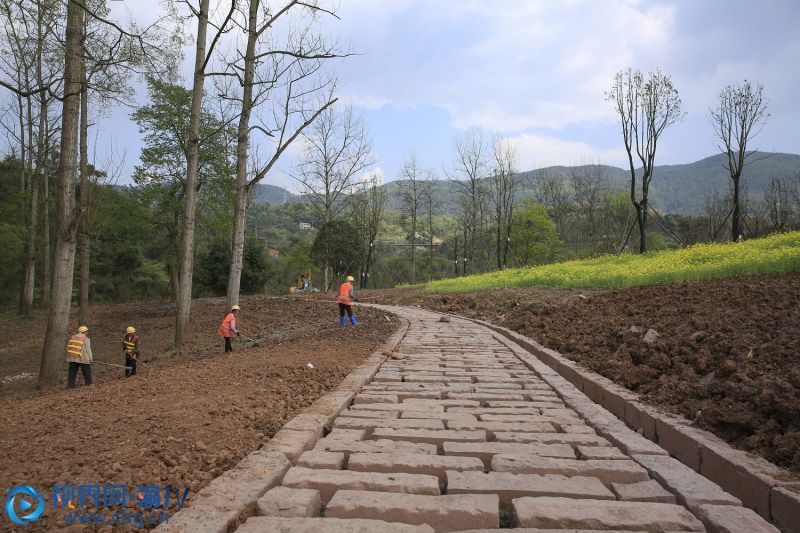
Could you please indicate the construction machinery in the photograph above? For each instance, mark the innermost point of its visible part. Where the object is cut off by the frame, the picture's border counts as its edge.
(303, 283)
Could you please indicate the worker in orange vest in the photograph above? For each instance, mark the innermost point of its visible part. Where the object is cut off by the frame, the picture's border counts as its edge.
(228, 328)
(346, 294)
(132, 350)
(79, 356)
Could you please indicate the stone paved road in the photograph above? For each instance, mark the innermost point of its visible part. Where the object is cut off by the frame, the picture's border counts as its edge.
(465, 431)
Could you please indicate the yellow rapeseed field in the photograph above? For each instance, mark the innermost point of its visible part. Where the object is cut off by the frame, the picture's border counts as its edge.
(773, 254)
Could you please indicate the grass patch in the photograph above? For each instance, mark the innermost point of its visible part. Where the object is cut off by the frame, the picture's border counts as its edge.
(768, 255)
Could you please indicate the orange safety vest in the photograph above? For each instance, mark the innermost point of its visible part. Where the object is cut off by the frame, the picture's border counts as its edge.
(129, 342)
(74, 347)
(344, 293)
(225, 328)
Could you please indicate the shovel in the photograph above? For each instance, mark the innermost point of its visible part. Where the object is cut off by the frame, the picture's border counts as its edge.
(255, 342)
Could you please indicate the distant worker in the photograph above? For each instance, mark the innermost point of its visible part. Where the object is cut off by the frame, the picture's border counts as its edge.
(132, 350)
(345, 295)
(79, 356)
(228, 328)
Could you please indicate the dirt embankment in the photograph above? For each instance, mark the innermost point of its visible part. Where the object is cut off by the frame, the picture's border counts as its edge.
(727, 355)
(185, 419)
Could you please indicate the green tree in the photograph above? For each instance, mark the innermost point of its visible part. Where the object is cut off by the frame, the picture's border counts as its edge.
(534, 237)
(213, 263)
(338, 242)
(161, 176)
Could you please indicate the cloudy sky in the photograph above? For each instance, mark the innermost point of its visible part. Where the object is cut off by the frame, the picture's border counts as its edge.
(536, 72)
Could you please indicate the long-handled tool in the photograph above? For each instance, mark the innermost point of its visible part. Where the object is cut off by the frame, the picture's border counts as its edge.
(110, 364)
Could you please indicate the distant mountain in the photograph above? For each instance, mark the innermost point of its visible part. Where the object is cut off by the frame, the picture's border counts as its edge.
(681, 189)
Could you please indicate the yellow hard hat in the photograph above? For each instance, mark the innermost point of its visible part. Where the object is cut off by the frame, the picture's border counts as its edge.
(234, 307)
(83, 329)
(130, 329)
(350, 278)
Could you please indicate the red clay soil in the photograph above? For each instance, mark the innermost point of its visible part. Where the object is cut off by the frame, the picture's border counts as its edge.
(186, 418)
(727, 356)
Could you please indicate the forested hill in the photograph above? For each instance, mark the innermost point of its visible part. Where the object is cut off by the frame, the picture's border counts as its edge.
(679, 189)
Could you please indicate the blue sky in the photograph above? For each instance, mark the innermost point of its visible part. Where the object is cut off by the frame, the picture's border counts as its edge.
(535, 72)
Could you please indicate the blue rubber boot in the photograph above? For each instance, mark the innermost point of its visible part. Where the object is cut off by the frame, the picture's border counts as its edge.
(353, 320)
(341, 321)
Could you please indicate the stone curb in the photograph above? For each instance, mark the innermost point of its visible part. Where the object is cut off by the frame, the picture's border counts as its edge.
(228, 500)
(761, 485)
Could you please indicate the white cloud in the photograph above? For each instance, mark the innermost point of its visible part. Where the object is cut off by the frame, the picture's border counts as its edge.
(536, 151)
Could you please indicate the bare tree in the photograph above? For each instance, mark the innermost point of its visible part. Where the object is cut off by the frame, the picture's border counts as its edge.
(552, 192)
(412, 176)
(739, 116)
(186, 255)
(468, 172)
(280, 82)
(778, 200)
(503, 187)
(589, 185)
(646, 107)
(337, 147)
(366, 212)
(430, 204)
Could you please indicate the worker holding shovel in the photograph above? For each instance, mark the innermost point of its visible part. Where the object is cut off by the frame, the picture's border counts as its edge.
(346, 294)
(228, 328)
(132, 350)
(79, 357)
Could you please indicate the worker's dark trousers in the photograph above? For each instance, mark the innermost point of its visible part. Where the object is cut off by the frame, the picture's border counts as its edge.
(131, 362)
(228, 347)
(345, 307)
(73, 373)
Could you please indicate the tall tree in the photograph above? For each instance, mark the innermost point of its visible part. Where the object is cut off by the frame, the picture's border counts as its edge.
(187, 245)
(366, 212)
(589, 185)
(430, 204)
(67, 217)
(468, 172)
(412, 176)
(503, 186)
(739, 116)
(285, 77)
(646, 107)
(338, 147)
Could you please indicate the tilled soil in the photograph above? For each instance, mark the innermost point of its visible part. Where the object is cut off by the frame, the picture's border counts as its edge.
(727, 355)
(185, 418)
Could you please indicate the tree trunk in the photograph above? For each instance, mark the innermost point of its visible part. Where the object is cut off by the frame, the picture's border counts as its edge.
(84, 198)
(186, 261)
(242, 141)
(46, 256)
(736, 218)
(64, 266)
(414, 246)
(641, 218)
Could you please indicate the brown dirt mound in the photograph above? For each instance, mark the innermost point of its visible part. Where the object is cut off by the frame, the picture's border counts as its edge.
(187, 418)
(727, 356)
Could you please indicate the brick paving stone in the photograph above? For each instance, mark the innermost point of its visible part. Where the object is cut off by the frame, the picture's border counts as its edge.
(274, 524)
(444, 513)
(375, 398)
(438, 416)
(405, 423)
(495, 427)
(691, 488)
(573, 439)
(522, 411)
(486, 450)
(576, 428)
(509, 485)
(327, 482)
(424, 405)
(599, 452)
(565, 513)
(283, 501)
(409, 463)
(317, 459)
(430, 436)
(345, 434)
(511, 403)
(643, 491)
(374, 446)
(727, 519)
(607, 471)
(484, 396)
(396, 407)
(371, 414)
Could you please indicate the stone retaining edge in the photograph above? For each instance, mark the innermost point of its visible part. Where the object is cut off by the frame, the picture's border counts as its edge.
(761, 485)
(229, 499)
